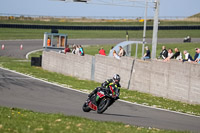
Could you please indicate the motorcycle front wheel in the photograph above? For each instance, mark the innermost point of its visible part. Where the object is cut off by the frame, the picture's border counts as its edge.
(103, 105)
(86, 108)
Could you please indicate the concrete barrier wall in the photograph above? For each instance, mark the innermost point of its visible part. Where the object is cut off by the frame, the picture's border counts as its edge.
(174, 80)
(106, 67)
(69, 64)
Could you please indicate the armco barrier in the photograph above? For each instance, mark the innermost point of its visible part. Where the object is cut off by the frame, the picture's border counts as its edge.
(174, 80)
(28, 26)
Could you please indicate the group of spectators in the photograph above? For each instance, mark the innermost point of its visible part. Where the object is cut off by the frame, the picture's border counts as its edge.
(121, 53)
(76, 49)
(167, 55)
(116, 55)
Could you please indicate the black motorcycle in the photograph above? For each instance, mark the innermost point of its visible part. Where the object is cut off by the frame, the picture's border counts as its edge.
(101, 100)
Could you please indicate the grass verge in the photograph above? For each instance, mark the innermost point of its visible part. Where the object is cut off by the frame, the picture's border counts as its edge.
(12, 33)
(99, 22)
(14, 120)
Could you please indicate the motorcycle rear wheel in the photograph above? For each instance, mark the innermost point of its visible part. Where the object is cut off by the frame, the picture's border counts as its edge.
(103, 105)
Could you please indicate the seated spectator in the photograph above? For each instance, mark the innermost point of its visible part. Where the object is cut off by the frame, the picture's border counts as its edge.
(102, 52)
(74, 49)
(115, 55)
(81, 50)
(147, 55)
(163, 53)
(177, 55)
(67, 49)
(198, 58)
(170, 54)
(187, 56)
(121, 51)
(111, 48)
(196, 54)
(77, 51)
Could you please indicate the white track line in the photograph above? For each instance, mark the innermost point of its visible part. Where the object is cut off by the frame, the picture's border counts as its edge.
(21, 40)
(14, 78)
(32, 52)
(87, 93)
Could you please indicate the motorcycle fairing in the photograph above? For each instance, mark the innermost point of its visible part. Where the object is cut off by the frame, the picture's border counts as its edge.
(92, 106)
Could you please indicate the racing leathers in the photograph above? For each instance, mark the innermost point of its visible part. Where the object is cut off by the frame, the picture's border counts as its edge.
(106, 85)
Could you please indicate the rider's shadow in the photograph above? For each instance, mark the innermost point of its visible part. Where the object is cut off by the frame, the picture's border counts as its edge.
(121, 115)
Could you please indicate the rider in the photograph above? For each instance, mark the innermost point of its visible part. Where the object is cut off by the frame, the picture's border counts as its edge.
(105, 85)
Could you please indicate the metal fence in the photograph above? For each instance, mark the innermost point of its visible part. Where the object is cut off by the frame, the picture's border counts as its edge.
(27, 26)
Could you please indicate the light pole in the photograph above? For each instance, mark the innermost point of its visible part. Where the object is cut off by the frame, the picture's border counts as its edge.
(155, 29)
(145, 24)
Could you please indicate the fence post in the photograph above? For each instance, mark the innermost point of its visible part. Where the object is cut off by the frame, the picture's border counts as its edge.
(93, 68)
(131, 74)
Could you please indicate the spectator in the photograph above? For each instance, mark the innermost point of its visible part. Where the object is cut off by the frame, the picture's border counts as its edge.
(102, 52)
(81, 50)
(196, 54)
(77, 50)
(74, 49)
(121, 52)
(198, 58)
(115, 55)
(147, 55)
(163, 53)
(170, 54)
(187, 56)
(48, 42)
(67, 49)
(177, 55)
(111, 48)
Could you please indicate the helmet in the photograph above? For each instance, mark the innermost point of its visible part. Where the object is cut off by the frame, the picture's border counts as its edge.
(116, 77)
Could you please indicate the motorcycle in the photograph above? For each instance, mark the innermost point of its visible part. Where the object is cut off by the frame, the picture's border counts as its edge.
(101, 100)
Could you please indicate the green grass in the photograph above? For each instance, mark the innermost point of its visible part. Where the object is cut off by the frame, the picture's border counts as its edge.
(111, 23)
(36, 54)
(87, 86)
(12, 34)
(13, 120)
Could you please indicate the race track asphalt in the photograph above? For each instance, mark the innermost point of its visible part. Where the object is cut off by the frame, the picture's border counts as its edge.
(12, 47)
(20, 91)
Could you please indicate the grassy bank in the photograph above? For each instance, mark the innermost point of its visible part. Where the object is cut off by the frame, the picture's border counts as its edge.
(12, 34)
(94, 22)
(14, 120)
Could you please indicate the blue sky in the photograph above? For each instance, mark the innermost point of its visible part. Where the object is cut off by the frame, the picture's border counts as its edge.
(54, 8)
